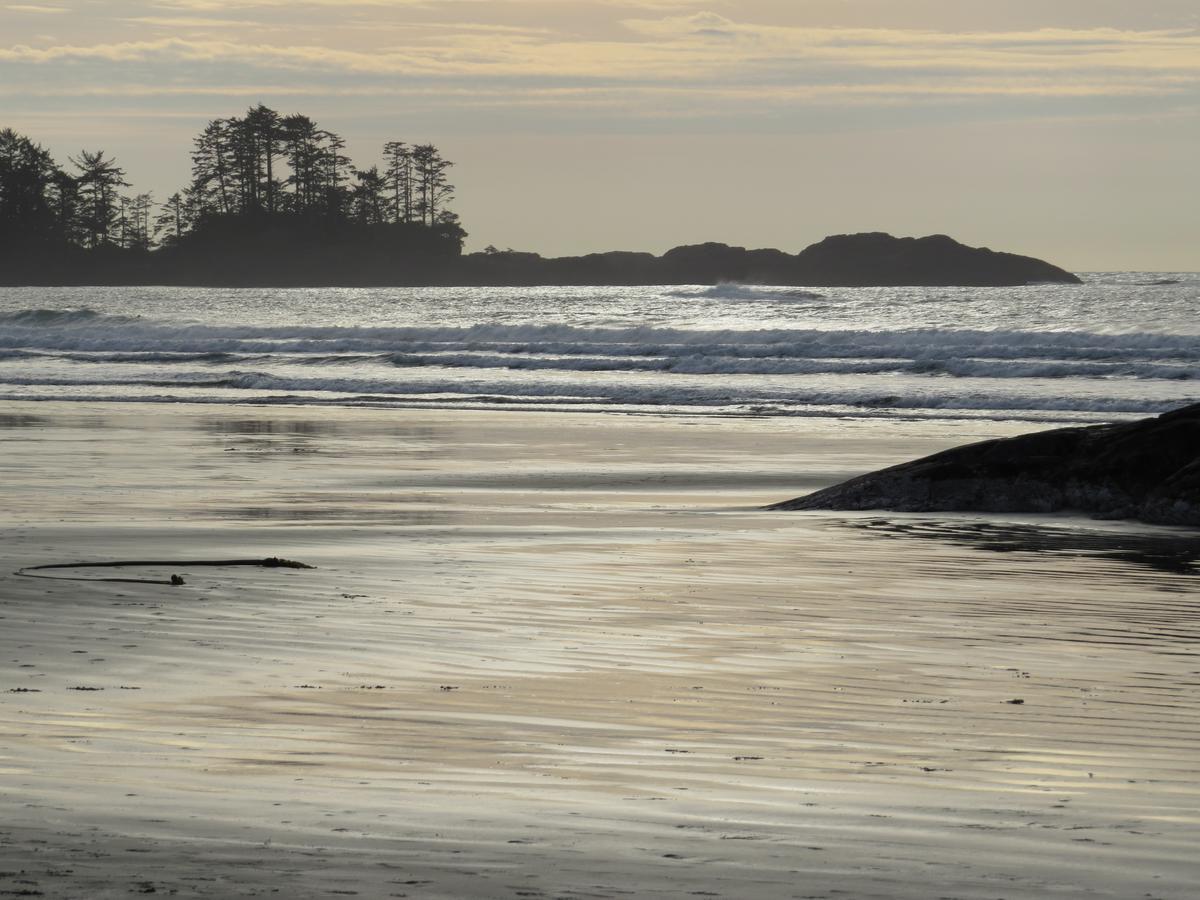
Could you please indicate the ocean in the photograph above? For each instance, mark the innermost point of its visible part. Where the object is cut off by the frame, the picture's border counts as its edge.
(1121, 345)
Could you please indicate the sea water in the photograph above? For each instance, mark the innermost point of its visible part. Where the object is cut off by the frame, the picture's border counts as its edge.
(1120, 345)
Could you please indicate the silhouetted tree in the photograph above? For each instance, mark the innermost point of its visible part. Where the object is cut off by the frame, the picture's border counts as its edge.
(212, 169)
(368, 199)
(302, 150)
(173, 221)
(99, 178)
(268, 194)
(137, 233)
(29, 190)
(66, 202)
(263, 135)
(399, 173)
(121, 225)
(433, 190)
(336, 167)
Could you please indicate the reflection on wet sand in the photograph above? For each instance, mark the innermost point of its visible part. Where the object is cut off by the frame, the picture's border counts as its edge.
(311, 427)
(57, 422)
(268, 426)
(1176, 552)
(10, 420)
(559, 683)
(291, 513)
(256, 439)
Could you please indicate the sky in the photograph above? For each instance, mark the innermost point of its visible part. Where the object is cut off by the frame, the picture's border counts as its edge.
(1065, 129)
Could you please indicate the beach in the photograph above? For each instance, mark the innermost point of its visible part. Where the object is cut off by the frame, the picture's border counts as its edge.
(548, 654)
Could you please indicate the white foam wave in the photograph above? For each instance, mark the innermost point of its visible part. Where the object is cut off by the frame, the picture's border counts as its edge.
(95, 334)
(741, 292)
(705, 364)
(781, 369)
(618, 393)
(34, 317)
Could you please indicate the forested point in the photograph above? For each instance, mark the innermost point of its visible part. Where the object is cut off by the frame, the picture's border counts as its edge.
(272, 198)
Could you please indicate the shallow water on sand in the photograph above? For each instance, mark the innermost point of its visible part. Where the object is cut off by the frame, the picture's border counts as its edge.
(551, 655)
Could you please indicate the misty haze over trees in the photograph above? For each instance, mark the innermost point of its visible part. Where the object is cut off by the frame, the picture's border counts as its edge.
(270, 195)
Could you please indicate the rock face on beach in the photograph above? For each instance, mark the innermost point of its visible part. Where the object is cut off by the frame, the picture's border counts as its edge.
(1147, 470)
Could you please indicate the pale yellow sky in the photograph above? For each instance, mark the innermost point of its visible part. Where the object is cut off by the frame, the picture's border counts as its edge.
(1062, 128)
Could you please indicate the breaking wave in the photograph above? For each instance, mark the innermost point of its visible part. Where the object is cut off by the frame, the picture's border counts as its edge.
(34, 317)
(619, 394)
(46, 353)
(736, 292)
(938, 350)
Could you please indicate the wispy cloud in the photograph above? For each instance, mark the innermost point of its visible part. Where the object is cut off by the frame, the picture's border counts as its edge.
(184, 22)
(36, 10)
(686, 48)
(346, 4)
(652, 58)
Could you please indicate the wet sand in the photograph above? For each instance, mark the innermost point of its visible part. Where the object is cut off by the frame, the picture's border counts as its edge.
(565, 656)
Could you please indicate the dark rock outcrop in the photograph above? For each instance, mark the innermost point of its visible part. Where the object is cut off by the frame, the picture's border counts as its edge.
(402, 255)
(848, 260)
(1147, 470)
(865, 260)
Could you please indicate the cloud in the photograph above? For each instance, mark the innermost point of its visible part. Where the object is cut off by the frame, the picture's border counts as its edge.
(218, 5)
(685, 61)
(37, 10)
(691, 48)
(188, 22)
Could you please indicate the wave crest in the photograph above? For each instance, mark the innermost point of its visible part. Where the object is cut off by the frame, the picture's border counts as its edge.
(737, 292)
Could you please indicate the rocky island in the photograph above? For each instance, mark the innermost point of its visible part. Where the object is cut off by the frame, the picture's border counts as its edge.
(274, 202)
(848, 260)
(1147, 470)
(361, 257)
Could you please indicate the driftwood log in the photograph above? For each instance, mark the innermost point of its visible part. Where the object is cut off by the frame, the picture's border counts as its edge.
(270, 562)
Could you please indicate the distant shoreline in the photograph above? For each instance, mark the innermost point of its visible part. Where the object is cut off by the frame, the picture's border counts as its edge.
(859, 260)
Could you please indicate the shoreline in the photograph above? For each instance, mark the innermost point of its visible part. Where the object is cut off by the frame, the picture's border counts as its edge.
(394, 255)
(568, 655)
(1021, 421)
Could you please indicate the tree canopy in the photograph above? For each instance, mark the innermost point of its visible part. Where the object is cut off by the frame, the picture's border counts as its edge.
(261, 183)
